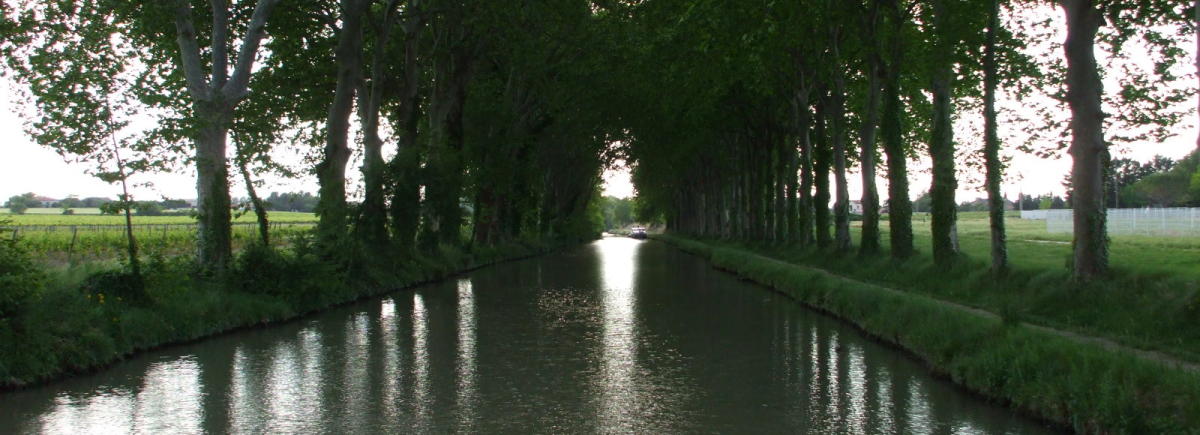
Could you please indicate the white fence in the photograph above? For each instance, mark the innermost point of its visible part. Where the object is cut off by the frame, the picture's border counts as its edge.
(1143, 221)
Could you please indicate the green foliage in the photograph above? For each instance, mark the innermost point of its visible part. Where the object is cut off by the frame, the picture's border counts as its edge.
(1165, 185)
(617, 212)
(148, 208)
(21, 278)
(118, 285)
(18, 204)
(294, 275)
(114, 208)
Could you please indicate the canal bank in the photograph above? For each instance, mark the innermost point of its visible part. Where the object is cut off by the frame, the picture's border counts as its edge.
(61, 335)
(1061, 377)
(615, 336)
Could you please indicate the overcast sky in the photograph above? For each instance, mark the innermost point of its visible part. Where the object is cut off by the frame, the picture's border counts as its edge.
(27, 167)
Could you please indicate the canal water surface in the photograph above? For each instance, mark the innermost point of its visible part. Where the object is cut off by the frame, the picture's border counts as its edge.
(618, 336)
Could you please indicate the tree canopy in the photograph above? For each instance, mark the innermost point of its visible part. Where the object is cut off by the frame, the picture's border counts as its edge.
(486, 122)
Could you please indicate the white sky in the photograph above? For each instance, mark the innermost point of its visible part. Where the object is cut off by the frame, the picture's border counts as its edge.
(28, 167)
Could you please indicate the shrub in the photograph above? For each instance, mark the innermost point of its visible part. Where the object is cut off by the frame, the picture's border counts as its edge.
(116, 285)
(20, 279)
(263, 270)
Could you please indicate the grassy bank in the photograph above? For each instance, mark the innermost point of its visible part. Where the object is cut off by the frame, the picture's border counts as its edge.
(85, 317)
(1079, 385)
(1150, 300)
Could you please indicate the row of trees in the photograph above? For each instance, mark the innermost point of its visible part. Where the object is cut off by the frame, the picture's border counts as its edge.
(1160, 183)
(742, 119)
(750, 115)
(475, 122)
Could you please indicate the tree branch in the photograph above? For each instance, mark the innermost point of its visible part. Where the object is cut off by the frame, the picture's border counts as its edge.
(240, 80)
(189, 51)
(220, 43)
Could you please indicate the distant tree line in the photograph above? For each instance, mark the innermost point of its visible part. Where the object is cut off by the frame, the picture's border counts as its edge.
(618, 212)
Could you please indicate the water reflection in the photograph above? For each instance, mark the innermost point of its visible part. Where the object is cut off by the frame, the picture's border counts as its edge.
(467, 395)
(619, 399)
(420, 358)
(621, 336)
(294, 383)
(392, 373)
(168, 401)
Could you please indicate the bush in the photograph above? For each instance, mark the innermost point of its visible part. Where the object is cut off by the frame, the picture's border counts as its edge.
(20, 279)
(117, 285)
(263, 270)
(148, 208)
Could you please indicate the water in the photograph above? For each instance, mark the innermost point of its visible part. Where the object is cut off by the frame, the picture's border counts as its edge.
(618, 336)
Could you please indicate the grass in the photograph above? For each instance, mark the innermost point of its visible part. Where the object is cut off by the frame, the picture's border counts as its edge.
(1078, 385)
(1151, 300)
(54, 217)
(1031, 247)
(68, 239)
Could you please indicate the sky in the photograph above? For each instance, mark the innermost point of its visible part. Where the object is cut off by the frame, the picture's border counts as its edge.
(28, 167)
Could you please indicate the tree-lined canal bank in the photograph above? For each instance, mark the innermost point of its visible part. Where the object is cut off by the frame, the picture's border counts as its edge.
(1091, 384)
(615, 336)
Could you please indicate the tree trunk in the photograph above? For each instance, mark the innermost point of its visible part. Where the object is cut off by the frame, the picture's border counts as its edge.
(804, 218)
(372, 222)
(841, 207)
(331, 172)
(793, 187)
(1088, 149)
(214, 96)
(135, 261)
(260, 209)
(941, 151)
(214, 243)
(781, 191)
(821, 180)
(405, 207)
(991, 149)
(443, 187)
(891, 128)
(870, 244)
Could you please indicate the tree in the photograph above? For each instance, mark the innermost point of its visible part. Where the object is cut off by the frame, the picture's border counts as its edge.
(81, 89)
(18, 204)
(870, 242)
(941, 143)
(1088, 149)
(70, 201)
(148, 208)
(331, 171)
(891, 127)
(991, 150)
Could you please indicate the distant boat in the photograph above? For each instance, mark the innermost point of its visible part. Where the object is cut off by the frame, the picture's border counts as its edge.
(637, 232)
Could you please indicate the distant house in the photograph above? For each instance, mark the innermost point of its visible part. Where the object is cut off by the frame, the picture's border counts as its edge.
(856, 207)
(46, 201)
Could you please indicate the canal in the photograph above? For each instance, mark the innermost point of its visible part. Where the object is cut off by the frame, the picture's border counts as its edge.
(617, 336)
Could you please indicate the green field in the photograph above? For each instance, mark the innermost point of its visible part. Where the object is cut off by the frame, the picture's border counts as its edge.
(86, 216)
(1030, 247)
(57, 239)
